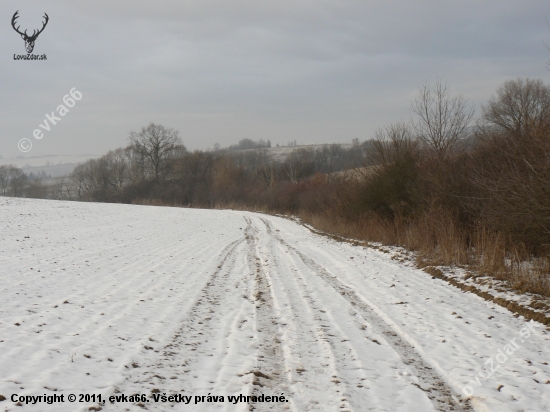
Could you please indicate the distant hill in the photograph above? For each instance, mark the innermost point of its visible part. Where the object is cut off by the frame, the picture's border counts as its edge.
(51, 165)
(281, 152)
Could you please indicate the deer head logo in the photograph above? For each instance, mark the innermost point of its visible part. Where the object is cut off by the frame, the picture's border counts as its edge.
(29, 40)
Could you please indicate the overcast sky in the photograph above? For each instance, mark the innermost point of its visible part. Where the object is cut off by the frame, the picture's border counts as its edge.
(221, 70)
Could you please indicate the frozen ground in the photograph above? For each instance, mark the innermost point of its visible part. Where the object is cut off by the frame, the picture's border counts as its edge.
(114, 299)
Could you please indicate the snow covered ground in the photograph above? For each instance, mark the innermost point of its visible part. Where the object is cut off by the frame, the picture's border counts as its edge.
(119, 300)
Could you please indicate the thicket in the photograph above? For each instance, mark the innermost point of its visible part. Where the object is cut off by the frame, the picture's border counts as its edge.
(459, 190)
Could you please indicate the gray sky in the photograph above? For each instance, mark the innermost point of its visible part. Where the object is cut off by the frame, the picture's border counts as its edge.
(221, 70)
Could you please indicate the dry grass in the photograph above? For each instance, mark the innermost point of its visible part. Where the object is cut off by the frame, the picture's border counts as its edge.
(440, 242)
(496, 256)
(437, 238)
(155, 202)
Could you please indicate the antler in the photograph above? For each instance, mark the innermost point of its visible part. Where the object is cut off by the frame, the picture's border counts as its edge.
(15, 17)
(43, 26)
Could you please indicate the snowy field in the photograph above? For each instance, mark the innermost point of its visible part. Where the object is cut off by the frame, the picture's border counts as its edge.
(117, 300)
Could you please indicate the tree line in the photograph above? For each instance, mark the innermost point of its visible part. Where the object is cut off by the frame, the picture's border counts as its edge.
(457, 188)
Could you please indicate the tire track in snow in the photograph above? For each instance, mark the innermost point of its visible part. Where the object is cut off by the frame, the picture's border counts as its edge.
(435, 387)
(314, 342)
(354, 371)
(179, 356)
(270, 370)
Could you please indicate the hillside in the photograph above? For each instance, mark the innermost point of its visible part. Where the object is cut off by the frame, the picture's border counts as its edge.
(112, 299)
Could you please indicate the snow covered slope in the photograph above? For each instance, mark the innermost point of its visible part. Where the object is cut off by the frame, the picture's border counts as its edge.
(117, 300)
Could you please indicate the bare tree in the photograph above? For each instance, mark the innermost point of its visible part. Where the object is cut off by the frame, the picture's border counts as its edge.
(195, 172)
(18, 181)
(298, 164)
(155, 143)
(13, 181)
(136, 165)
(443, 119)
(63, 189)
(512, 168)
(4, 179)
(78, 179)
(519, 107)
(512, 177)
(119, 169)
(329, 158)
(266, 173)
(391, 143)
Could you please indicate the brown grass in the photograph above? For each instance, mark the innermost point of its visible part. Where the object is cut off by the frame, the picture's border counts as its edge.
(440, 242)
(155, 202)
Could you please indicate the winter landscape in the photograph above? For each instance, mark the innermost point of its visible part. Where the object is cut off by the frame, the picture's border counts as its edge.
(121, 299)
(289, 206)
